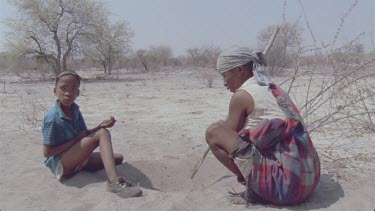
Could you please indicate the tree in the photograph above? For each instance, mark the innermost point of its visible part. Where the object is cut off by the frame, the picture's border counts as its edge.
(203, 56)
(109, 43)
(142, 55)
(284, 49)
(52, 30)
(154, 57)
(195, 55)
(160, 54)
(211, 53)
(350, 53)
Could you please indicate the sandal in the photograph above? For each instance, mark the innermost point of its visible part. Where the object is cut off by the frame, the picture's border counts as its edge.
(237, 198)
(123, 188)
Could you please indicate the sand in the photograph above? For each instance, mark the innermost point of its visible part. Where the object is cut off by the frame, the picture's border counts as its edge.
(162, 117)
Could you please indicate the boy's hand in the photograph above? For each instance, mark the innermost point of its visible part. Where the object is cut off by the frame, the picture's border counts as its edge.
(108, 122)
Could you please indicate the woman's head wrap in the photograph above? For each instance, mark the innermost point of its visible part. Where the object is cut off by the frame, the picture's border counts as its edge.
(237, 56)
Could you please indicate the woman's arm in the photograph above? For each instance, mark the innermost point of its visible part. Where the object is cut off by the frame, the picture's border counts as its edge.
(241, 105)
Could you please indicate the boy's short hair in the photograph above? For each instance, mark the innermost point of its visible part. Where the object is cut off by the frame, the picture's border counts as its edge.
(68, 72)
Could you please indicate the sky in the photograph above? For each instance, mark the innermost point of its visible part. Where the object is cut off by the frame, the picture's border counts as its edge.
(184, 24)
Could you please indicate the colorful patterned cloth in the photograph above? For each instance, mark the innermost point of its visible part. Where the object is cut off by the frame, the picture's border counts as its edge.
(286, 167)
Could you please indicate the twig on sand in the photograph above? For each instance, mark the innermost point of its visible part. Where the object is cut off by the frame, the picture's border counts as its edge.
(233, 193)
(166, 156)
(199, 163)
(218, 180)
(199, 145)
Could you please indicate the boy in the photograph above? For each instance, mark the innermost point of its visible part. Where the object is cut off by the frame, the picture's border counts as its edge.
(68, 145)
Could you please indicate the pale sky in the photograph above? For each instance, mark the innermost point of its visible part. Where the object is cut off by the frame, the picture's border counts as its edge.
(183, 24)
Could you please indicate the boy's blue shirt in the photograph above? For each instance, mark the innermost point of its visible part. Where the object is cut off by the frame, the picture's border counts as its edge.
(58, 129)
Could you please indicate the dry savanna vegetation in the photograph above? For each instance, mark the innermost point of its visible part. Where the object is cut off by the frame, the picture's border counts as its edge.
(332, 84)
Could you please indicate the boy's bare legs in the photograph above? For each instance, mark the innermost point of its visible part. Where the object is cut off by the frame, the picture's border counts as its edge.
(95, 161)
(83, 149)
(222, 140)
(80, 151)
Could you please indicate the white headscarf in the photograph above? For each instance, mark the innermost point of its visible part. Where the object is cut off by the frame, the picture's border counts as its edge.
(237, 56)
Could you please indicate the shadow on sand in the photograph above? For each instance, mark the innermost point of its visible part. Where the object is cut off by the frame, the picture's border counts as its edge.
(325, 194)
(170, 177)
(126, 170)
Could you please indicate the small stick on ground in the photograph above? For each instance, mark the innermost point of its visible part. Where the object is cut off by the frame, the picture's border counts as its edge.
(199, 163)
(166, 156)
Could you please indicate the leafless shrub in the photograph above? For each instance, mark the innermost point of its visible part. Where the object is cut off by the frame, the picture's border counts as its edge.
(32, 111)
(160, 54)
(143, 57)
(342, 100)
(204, 56)
(338, 96)
(284, 49)
(209, 76)
(108, 43)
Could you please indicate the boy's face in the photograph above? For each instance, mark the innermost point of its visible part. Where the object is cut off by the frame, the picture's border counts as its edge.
(67, 90)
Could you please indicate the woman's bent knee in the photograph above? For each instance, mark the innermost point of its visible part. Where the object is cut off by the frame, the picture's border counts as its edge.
(211, 132)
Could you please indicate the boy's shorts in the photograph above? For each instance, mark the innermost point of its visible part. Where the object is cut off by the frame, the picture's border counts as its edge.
(59, 171)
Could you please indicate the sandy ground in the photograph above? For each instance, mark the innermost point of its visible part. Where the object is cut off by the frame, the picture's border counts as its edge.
(162, 118)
